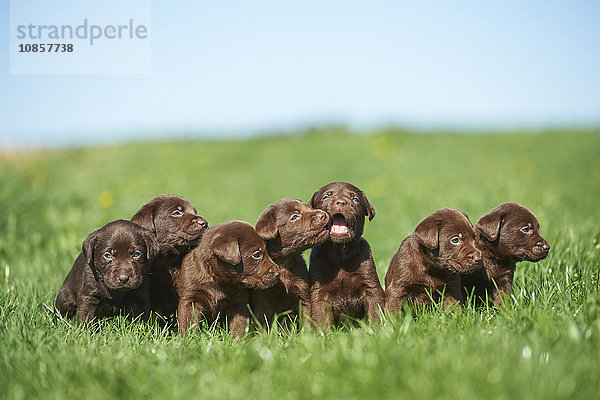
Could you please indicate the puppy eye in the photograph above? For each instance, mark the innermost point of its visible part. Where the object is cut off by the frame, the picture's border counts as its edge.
(525, 229)
(355, 199)
(325, 197)
(455, 240)
(107, 256)
(136, 254)
(176, 213)
(257, 255)
(294, 217)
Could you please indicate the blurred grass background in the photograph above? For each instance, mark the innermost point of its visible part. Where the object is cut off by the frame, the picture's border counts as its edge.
(542, 345)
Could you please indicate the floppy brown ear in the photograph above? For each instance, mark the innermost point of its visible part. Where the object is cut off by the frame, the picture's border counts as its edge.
(144, 217)
(427, 232)
(368, 206)
(228, 249)
(489, 225)
(266, 226)
(152, 247)
(87, 248)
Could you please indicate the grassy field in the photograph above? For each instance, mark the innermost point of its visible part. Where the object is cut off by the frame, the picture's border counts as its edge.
(545, 343)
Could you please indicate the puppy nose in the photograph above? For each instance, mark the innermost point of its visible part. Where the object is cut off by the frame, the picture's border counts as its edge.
(476, 256)
(202, 222)
(274, 271)
(123, 278)
(322, 215)
(340, 202)
(545, 246)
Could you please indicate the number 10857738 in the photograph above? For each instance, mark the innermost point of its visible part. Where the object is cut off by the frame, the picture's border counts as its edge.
(46, 48)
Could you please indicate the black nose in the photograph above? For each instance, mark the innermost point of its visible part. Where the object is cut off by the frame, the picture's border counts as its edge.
(123, 278)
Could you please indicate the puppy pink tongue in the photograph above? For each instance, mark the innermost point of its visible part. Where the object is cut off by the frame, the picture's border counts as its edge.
(339, 225)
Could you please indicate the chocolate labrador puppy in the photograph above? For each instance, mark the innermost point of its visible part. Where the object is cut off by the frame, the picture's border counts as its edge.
(429, 262)
(289, 227)
(216, 276)
(177, 228)
(343, 279)
(109, 277)
(506, 235)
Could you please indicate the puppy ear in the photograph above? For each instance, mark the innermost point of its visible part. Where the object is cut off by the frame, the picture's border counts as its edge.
(144, 217)
(266, 226)
(228, 249)
(87, 248)
(489, 225)
(152, 248)
(427, 232)
(368, 206)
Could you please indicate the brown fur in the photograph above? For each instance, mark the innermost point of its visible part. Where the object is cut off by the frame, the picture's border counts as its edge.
(503, 243)
(216, 276)
(289, 227)
(177, 228)
(342, 271)
(99, 286)
(428, 263)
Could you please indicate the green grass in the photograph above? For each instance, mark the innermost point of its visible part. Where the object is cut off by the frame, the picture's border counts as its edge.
(544, 343)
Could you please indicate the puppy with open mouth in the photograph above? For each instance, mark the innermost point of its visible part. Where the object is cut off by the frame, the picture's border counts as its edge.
(343, 279)
(505, 235)
(289, 227)
(428, 263)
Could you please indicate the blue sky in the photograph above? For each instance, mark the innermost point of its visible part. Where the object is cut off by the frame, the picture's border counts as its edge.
(237, 68)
